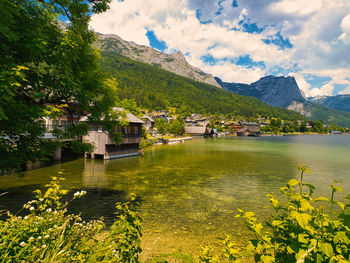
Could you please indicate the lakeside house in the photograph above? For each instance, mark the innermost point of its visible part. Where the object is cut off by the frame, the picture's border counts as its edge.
(161, 115)
(195, 120)
(148, 123)
(249, 129)
(234, 126)
(199, 131)
(336, 132)
(106, 149)
(242, 132)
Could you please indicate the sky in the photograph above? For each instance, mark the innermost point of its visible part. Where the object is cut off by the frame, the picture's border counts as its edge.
(244, 40)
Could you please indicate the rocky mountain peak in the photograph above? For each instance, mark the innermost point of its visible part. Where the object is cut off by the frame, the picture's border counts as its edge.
(275, 91)
(178, 55)
(175, 62)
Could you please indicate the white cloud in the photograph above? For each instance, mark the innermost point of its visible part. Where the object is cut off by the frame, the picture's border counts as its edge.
(319, 31)
(345, 91)
(302, 83)
(296, 7)
(325, 90)
(230, 72)
(345, 25)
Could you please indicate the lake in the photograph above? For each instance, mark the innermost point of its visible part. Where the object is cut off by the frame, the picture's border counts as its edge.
(189, 193)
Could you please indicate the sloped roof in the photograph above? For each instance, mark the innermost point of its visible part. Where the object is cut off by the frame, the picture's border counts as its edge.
(242, 130)
(129, 116)
(147, 118)
(195, 129)
(250, 123)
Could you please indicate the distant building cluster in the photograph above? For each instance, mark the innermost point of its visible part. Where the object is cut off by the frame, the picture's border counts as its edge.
(195, 125)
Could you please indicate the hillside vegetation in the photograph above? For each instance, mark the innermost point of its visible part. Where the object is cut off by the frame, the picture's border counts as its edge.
(155, 89)
(328, 115)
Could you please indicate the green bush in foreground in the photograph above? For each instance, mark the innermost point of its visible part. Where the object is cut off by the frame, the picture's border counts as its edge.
(303, 229)
(49, 234)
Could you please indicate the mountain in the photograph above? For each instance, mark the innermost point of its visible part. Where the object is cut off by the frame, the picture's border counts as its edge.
(339, 102)
(154, 88)
(284, 92)
(275, 91)
(175, 63)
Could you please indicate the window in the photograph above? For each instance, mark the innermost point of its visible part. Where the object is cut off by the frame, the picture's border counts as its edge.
(136, 129)
(55, 123)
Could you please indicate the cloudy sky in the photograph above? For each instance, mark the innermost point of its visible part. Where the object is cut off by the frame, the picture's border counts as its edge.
(243, 40)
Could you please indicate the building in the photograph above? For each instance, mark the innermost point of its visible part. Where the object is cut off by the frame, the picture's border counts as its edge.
(106, 149)
(336, 132)
(242, 132)
(199, 131)
(148, 123)
(234, 126)
(249, 129)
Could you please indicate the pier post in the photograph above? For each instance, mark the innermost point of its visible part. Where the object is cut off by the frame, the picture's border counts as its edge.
(58, 154)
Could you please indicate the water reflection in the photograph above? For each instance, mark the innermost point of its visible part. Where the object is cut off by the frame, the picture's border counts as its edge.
(94, 174)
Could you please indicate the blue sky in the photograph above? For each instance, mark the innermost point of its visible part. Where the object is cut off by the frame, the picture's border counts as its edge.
(244, 40)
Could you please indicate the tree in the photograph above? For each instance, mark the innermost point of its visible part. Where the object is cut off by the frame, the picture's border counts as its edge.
(131, 106)
(276, 122)
(303, 127)
(162, 126)
(46, 67)
(318, 127)
(177, 126)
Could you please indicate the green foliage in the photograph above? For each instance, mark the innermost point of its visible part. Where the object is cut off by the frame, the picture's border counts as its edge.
(276, 122)
(328, 115)
(48, 234)
(76, 131)
(177, 127)
(276, 127)
(206, 255)
(126, 231)
(301, 230)
(80, 147)
(117, 138)
(162, 126)
(131, 106)
(154, 88)
(45, 65)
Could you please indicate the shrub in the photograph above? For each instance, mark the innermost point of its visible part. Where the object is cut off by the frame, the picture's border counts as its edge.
(302, 229)
(49, 234)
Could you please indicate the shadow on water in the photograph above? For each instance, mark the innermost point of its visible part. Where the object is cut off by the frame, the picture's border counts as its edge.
(14, 199)
(97, 203)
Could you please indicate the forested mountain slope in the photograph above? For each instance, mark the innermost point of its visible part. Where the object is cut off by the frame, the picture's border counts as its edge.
(155, 88)
(284, 92)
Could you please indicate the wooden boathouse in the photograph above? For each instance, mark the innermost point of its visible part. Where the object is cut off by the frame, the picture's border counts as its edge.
(106, 149)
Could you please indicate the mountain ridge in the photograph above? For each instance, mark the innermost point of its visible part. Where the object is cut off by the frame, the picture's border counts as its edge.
(338, 102)
(268, 89)
(284, 92)
(275, 91)
(175, 62)
(154, 88)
